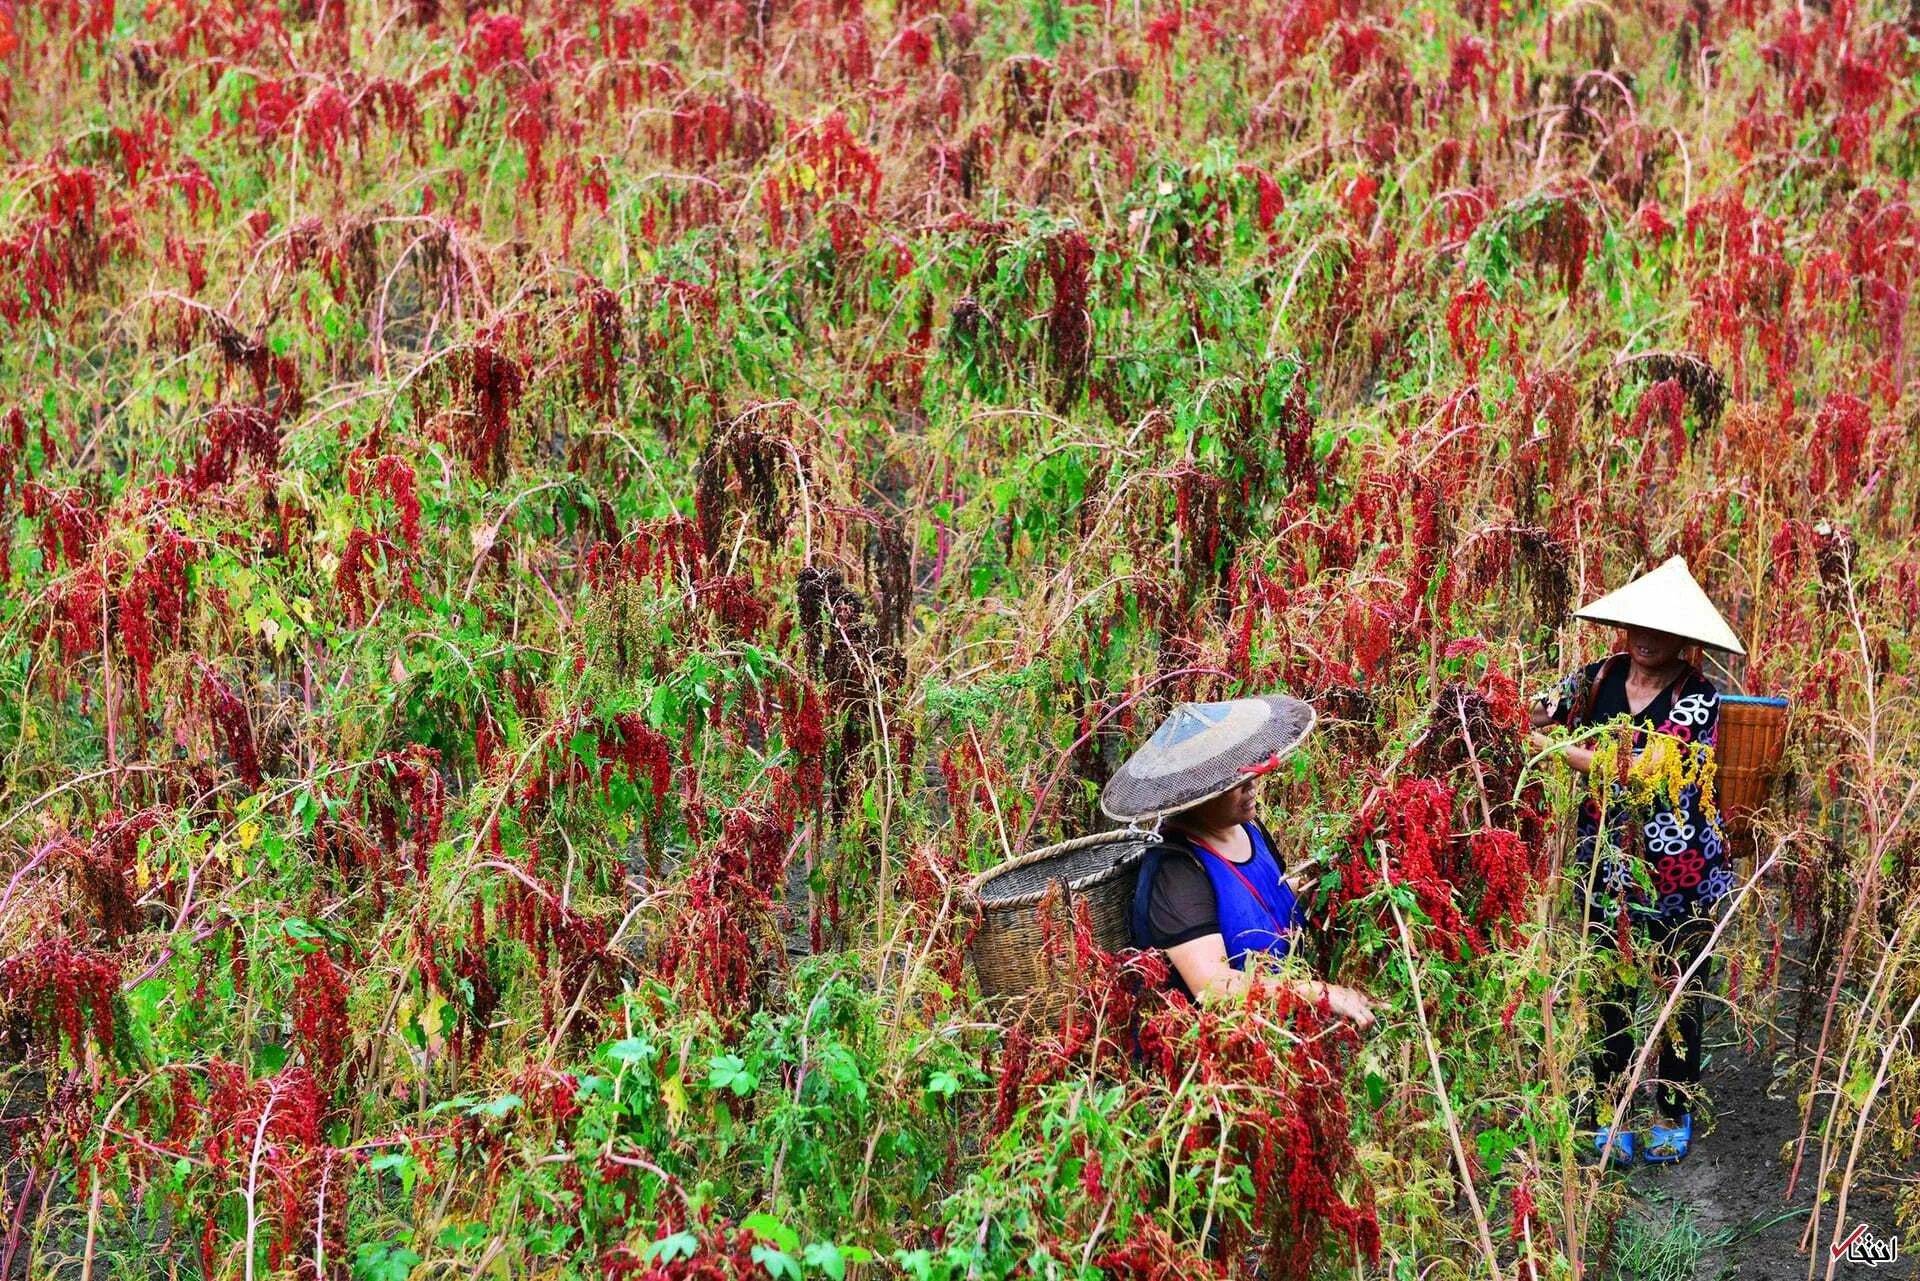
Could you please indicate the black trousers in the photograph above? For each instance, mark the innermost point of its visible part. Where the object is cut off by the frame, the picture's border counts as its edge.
(1670, 947)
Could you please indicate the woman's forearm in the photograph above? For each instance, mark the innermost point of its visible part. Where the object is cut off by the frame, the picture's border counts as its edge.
(1580, 758)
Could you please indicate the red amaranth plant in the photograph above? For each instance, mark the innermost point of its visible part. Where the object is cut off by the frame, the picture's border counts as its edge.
(473, 967)
(65, 993)
(496, 40)
(730, 598)
(1406, 830)
(234, 432)
(1285, 1120)
(1499, 863)
(69, 522)
(153, 603)
(719, 946)
(1840, 434)
(803, 725)
(1069, 264)
(417, 784)
(656, 551)
(363, 553)
(1292, 1139)
(724, 1253)
(267, 1130)
(1662, 410)
(391, 477)
(320, 1025)
(493, 383)
(642, 750)
(1151, 1254)
(599, 343)
(108, 862)
(570, 948)
(232, 725)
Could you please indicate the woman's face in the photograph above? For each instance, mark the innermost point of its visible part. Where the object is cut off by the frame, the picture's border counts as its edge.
(1653, 650)
(1223, 811)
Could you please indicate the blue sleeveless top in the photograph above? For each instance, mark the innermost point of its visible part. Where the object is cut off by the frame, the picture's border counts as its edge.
(1256, 907)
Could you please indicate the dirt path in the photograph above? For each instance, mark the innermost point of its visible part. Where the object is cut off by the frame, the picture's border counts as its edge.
(1724, 1209)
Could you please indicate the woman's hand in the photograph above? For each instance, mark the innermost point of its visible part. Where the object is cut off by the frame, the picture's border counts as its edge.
(1579, 758)
(1350, 1004)
(1203, 963)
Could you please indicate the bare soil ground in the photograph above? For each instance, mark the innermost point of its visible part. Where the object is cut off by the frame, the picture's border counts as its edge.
(1732, 1188)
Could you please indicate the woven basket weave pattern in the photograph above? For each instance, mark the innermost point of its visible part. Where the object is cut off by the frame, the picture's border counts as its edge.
(1009, 949)
(1752, 735)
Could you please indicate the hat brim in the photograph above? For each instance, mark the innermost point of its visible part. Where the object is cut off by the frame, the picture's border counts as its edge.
(1131, 798)
(1725, 641)
(1666, 599)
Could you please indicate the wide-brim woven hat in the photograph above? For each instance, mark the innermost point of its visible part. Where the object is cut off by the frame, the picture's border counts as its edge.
(1666, 599)
(1202, 750)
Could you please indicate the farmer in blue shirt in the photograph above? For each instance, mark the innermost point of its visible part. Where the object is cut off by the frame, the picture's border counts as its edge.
(1213, 892)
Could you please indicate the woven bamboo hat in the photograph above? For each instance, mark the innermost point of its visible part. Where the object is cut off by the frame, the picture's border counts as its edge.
(1666, 599)
(1202, 750)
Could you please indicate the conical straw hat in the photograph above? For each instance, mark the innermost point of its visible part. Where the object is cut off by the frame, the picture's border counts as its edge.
(1667, 600)
(1202, 750)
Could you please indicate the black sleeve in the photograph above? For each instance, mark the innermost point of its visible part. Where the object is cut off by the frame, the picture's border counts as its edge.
(1180, 906)
(1583, 682)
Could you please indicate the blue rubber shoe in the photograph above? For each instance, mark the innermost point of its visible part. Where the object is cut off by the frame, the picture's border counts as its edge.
(1614, 1147)
(1669, 1143)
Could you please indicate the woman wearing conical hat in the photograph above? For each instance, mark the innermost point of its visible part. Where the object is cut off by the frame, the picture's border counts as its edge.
(1213, 892)
(1663, 860)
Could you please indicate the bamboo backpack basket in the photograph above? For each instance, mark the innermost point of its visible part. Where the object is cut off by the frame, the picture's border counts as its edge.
(1753, 734)
(1010, 952)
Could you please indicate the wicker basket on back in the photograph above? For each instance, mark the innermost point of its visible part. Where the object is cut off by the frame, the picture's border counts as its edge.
(1753, 733)
(1010, 952)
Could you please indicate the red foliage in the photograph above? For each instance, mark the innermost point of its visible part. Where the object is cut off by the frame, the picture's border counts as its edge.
(69, 522)
(320, 1017)
(657, 551)
(1499, 863)
(725, 1253)
(111, 857)
(232, 726)
(269, 1129)
(1289, 1133)
(153, 603)
(599, 343)
(730, 598)
(1839, 443)
(1069, 264)
(803, 724)
(235, 431)
(1463, 325)
(1662, 409)
(496, 40)
(842, 169)
(473, 967)
(1151, 1254)
(1403, 834)
(391, 477)
(642, 749)
(418, 785)
(363, 553)
(64, 992)
(719, 947)
(493, 383)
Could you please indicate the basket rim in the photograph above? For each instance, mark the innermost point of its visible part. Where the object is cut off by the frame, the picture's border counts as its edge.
(1756, 700)
(1120, 836)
